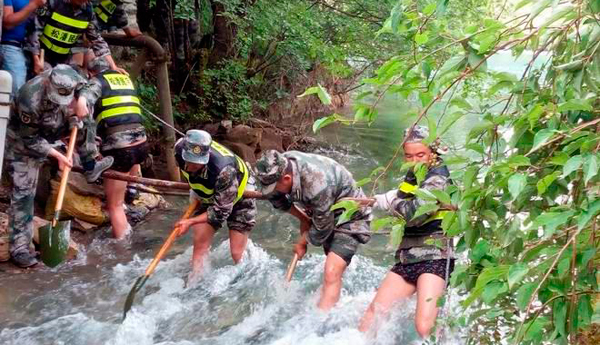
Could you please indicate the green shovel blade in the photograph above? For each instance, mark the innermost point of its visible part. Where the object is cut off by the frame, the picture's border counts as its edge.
(137, 286)
(54, 242)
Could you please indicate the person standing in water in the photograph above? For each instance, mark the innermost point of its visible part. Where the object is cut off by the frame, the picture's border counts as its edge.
(218, 178)
(307, 185)
(421, 268)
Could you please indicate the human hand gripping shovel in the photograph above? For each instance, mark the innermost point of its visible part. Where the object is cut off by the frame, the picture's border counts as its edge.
(54, 238)
(137, 286)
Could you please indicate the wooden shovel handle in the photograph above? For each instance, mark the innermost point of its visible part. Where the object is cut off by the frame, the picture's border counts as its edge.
(65, 177)
(170, 239)
(291, 268)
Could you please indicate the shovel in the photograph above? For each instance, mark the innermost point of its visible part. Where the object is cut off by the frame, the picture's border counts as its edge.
(137, 286)
(54, 238)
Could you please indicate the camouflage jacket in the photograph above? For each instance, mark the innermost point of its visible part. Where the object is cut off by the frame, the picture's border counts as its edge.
(92, 33)
(226, 189)
(117, 20)
(318, 183)
(36, 122)
(423, 238)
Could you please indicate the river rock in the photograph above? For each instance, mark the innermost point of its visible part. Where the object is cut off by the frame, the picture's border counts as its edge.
(271, 140)
(245, 135)
(245, 152)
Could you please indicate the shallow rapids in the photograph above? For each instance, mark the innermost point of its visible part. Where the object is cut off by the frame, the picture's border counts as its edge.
(81, 302)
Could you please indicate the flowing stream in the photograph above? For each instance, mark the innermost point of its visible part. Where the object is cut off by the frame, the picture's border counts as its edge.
(81, 302)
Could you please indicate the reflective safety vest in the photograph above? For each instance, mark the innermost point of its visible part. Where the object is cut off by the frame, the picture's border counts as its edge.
(119, 103)
(63, 28)
(433, 223)
(105, 9)
(203, 182)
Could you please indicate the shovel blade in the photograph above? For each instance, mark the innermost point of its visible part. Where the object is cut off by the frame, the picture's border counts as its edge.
(131, 296)
(54, 242)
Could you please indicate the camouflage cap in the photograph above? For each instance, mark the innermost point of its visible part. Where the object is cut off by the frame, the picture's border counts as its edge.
(196, 146)
(415, 134)
(98, 65)
(63, 81)
(269, 169)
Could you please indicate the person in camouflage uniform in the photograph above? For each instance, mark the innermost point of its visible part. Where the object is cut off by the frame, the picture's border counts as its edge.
(42, 114)
(425, 257)
(111, 16)
(217, 178)
(307, 185)
(119, 124)
(59, 27)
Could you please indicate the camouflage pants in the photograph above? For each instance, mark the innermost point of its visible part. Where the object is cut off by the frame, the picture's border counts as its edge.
(23, 171)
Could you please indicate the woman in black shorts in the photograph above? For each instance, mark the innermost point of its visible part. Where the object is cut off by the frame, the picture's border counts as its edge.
(422, 267)
(119, 123)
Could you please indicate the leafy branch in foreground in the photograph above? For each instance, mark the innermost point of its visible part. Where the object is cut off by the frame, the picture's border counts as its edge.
(526, 179)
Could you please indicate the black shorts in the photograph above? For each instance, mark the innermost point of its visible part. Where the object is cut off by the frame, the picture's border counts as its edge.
(127, 157)
(411, 272)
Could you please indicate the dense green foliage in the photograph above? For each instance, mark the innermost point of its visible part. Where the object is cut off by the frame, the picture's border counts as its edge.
(526, 175)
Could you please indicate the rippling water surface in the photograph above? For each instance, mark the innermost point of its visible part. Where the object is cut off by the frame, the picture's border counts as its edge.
(81, 302)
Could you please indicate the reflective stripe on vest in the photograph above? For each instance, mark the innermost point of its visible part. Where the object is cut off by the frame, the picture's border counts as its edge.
(61, 32)
(60, 35)
(54, 48)
(101, 14)
(241, 188)
(119, 99)
(118, 111)
(105, 9)
(79, 24)
(410, 189)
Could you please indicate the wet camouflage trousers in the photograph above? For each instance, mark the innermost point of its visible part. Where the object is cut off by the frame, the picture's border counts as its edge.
(23, 172)
(242, 217)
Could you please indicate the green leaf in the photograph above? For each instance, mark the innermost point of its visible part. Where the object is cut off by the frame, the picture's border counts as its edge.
(588, 214)
(516, 184)
(425, 208)
(397, 234)
(363, 181)
(572, 164)
(487, 275)
(350, 207)
(420, 171)
(379, 223)
(535, 329)
(563, 267)
(544, 183)
(452, 64)
(524, 294)
(541, 138)
(534, 115)
(323, 122)
(320, 91)
(421, 38)
(442, 196)
(522, 3)
(590, 167)
(480, 250)
(475, 60)
(432, 131)
(516, 273)
(425, 194)
(492, 290)
(518, 161)
(552, 220)
(575, 104)
(449, 121)
(559, 315)
(461, 103)
(426, 68)
(429, 9)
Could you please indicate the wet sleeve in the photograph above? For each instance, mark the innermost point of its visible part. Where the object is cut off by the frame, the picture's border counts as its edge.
(99, 45)
(32, 43)
(226, 188)
(92, 90)
(407, 206)
(29, 132)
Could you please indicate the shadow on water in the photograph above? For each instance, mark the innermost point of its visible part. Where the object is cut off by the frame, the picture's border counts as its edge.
(81, 302)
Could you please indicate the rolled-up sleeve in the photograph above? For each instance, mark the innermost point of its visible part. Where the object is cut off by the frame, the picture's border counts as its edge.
(99, 45)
